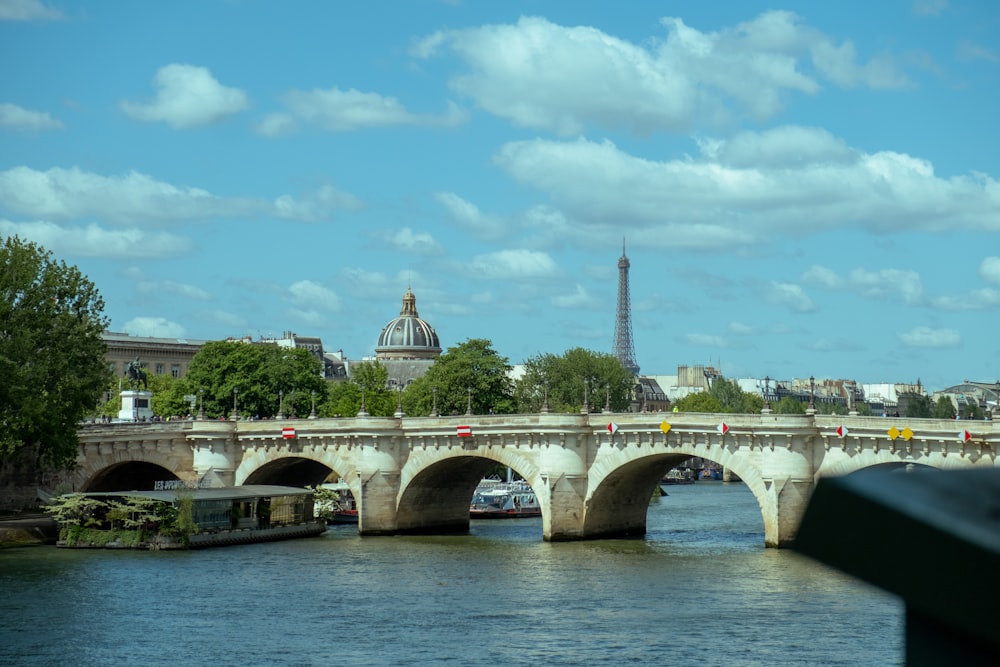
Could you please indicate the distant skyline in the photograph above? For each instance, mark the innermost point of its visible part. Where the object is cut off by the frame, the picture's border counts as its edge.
(804, 188)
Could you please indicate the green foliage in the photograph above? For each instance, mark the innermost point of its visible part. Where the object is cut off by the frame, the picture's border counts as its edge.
(254, 374)
(373, 378)
(607, 381)
(789, 405)
(944, 408)
(51, 352)
(919, 406)
(700, 402)
(733, 399)
(471, 369)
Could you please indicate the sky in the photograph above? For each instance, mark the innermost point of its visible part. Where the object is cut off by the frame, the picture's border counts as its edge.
(802, 188)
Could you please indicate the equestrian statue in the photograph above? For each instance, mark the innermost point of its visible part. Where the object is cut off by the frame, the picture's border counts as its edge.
(135, 374)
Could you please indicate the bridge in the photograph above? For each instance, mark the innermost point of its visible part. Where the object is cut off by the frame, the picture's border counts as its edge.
(593, 473)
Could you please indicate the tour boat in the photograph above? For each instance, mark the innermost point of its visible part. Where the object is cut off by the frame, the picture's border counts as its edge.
(504, 500)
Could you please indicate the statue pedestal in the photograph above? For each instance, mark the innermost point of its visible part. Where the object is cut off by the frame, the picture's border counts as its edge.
(136, 405)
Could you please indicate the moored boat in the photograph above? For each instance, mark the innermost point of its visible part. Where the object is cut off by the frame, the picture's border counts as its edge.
(335, 503)
(504, 500)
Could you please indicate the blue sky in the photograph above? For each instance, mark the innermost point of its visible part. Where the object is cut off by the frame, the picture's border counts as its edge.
(805, 188)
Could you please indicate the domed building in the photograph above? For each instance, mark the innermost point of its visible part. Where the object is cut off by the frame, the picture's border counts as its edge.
(408, 336)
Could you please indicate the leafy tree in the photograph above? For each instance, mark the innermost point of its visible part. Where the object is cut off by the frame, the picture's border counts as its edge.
(790, 406)
(734, 399)
(944, 408)
(256, 375)
(372, 378)
(919, 406)
(470, 371)
(973, 411)
(562, 377)
(700, 402)
(51, 353)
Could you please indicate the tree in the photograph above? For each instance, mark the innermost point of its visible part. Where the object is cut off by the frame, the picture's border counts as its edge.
(563, 377)
(51, 353)
(469, 372)
(700, 402)
(790, 406)
(734, 399)
(944, 408)
(256, 377)
(918, 406)
(372, 378)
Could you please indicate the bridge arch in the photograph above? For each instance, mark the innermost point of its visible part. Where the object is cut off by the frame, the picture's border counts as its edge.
(127, 476)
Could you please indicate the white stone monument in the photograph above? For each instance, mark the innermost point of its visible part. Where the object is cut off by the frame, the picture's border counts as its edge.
(136, 405)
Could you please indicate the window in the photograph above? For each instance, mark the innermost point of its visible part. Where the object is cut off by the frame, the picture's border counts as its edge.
(159, 369)
(175, 370)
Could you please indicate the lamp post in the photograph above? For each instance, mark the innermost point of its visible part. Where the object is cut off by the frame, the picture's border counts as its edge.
(362, 412)
(312, 412)
(607, 399)
(545, 405)
(767, 394)
(434, 409)
(585, 410)
(812, 393)
(201, 403)
(399, 403)
(281, 404)
(236, 411)
(468, 407)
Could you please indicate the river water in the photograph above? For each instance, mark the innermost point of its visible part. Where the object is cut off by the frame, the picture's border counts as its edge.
(700, 589)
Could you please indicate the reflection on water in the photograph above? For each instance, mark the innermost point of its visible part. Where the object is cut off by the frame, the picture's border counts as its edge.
(700, 589)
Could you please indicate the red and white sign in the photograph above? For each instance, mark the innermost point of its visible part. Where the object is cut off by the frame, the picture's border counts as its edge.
(464, 431)
(842, 431)
(612, 428)
(287, 432)
(964, 436)
(722, 428)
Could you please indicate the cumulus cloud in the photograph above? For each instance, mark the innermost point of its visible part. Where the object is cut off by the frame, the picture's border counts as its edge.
(892, 284)
(18, 118)
(27, 10)
(729, 195)
(185, 291)
(513, 265)
(989, 270)
(318, 205)
(580, 298)
(469, 217)
(416, 243)
(307, 293)
(93, 240)
(928, 337)
(337, 110)
(792, 296)
(188, 96)
(154, 327)
(542, 75)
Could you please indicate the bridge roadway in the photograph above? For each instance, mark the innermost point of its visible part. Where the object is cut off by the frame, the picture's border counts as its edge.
(416, 475)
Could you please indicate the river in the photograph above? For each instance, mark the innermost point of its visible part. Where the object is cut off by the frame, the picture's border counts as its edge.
(699, 589)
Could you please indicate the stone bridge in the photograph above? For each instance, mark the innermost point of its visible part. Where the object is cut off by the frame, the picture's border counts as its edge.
(417, 475)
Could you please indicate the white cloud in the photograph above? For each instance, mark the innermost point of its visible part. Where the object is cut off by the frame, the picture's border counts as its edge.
(513, 265)
(546, 76)
(95, 241)
(596, 184)
(27, 10)
(580, 298)
(337, 110)
(188, 96)
(18, 118)
(312, 295)
(792, 296)
(155, 327)
(470, 218)
(928, 337)
(318, 205)
(989, 270)
(888, 284)
(977, 299)
(823, 276)
(187, 292)
(967, 51)
(407, 240)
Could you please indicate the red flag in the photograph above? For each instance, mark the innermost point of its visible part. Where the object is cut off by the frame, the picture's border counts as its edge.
(464, 431)
(287, 432)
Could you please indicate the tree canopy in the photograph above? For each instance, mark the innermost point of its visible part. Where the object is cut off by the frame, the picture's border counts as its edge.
(471, 372)
(51, 352)
(565, 378)
(259, 378)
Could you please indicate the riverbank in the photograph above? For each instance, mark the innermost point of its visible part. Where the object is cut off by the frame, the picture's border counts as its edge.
(27, 529)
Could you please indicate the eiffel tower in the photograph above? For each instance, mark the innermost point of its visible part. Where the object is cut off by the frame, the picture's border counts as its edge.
(624, 349)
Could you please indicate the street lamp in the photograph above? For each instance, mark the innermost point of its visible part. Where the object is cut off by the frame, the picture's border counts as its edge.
(468, 407)
(281, 404)
(585, 410)
(201, 403)
(607, 398)
(812, 393)
(434, 409)
(545, 405)
(767, 393)
(236, 411)
(399, 404)
(362, 412)
(312, 412)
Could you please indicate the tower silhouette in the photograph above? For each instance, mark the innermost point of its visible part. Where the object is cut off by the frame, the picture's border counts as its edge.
(624, 349)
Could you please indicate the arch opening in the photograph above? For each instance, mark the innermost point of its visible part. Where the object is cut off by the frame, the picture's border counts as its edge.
(129, 476)
(290, 471)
